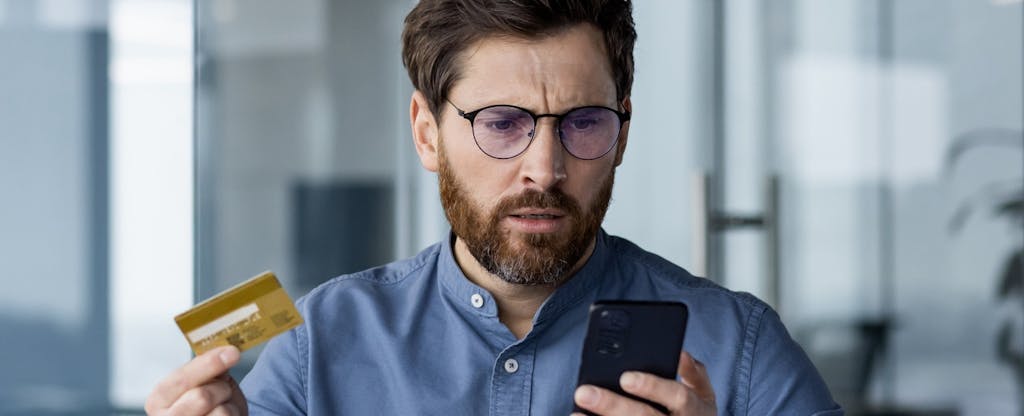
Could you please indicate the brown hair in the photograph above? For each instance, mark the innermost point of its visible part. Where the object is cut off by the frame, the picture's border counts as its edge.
(438, 31)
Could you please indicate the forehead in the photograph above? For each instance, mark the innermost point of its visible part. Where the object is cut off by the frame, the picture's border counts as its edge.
(550, 73)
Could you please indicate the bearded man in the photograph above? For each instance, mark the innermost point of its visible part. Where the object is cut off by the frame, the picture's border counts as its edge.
(522, 107)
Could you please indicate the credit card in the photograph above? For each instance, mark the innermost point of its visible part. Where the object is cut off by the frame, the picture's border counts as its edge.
(246, 315)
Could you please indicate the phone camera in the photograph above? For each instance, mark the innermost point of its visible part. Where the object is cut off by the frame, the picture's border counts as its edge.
(613, 325)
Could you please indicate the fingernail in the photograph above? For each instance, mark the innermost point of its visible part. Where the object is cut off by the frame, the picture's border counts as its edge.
(229, 356)
(586, 395)
(629, 380)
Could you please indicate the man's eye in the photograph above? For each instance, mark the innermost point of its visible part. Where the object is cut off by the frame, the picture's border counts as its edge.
(499, 125)
(582, 123)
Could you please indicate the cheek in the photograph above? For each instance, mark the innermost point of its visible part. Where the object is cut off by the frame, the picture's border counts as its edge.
(586, 178)
(489, 184)
(483, 179)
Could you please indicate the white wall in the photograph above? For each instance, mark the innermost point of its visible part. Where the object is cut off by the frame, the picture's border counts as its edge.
(151, 183)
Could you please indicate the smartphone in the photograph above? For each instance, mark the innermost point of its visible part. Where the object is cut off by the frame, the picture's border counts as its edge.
(631, 336)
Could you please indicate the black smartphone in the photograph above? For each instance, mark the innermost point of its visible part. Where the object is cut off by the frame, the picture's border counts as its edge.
(632, 336)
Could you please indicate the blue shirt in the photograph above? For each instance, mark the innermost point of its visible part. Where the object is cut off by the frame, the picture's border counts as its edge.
(416, 337)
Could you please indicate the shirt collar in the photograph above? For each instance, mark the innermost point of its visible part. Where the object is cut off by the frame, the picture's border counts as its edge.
(585, 282)
(461, 291)
(457, 287)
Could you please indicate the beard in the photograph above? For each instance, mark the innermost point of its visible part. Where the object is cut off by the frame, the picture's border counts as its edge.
(532, 258)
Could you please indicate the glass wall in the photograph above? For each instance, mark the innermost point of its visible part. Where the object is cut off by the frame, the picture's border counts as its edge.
(953, 177)
(302, 134)
(95, 201)
(895, 132)
(54, 308)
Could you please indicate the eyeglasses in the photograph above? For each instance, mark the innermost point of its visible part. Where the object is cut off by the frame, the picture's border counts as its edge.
(505, 131)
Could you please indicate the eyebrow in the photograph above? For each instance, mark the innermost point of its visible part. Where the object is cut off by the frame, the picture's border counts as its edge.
(617, 107)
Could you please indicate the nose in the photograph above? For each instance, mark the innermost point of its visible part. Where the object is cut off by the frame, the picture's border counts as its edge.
(543, 163)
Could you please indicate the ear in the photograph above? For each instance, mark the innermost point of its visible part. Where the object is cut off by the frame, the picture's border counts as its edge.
(624, 133)
(424, 131)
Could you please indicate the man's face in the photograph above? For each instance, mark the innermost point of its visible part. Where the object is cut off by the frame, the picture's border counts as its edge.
(530, 219)
(514, 252)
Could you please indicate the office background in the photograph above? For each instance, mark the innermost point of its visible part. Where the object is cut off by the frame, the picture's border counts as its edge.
(858, 163)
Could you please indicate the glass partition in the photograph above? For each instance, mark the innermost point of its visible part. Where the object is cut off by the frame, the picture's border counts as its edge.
(54, 307)
(894, 131)
(95, 219)
(304, 153)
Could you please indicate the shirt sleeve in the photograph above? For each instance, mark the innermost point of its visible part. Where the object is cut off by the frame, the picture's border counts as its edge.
(783, 381)
(276, 384)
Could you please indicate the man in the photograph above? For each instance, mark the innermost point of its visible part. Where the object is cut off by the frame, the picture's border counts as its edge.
(522, 108)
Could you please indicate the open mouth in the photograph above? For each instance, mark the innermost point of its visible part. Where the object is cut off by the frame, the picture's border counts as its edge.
(537, 220)
(537, 216)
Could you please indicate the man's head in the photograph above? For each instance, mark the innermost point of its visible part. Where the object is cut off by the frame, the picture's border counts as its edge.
(528, 217)
(439, 32)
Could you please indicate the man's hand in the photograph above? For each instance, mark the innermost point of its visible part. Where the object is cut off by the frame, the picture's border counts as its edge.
(692, 396)
(200, 387)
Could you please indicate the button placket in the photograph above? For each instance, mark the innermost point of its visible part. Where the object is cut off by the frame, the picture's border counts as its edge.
(512, 380)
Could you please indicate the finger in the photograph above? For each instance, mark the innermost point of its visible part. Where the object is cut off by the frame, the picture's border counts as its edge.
(669, 393)
(693, 374)
(197, 372)
(237, 398)
(606, 402)
(202, 400)
(226, 409)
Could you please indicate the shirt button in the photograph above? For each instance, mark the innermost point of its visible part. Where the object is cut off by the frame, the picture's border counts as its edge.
(511, 365)
(477, 300)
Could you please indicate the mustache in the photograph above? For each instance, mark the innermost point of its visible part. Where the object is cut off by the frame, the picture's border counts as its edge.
(554, 199)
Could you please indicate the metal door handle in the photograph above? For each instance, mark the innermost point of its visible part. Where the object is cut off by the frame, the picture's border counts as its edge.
(709, 221)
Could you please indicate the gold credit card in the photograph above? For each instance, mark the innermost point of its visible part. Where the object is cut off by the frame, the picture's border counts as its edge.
(244, 316)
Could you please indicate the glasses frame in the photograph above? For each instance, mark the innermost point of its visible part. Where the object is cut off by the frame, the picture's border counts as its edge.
(471, 116)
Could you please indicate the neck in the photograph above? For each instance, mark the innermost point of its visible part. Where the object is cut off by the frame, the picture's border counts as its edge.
(517, 303)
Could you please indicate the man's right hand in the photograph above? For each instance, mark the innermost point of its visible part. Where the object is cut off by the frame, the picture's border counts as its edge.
(200, 387)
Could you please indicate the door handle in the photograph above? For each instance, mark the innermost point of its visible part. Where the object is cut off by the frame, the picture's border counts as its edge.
(710, 222)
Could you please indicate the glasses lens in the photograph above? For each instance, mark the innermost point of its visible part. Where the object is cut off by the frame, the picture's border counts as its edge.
(590, 132)
(502, 131)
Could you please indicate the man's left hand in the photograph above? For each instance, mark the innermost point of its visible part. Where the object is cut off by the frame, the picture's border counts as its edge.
(690, 396)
